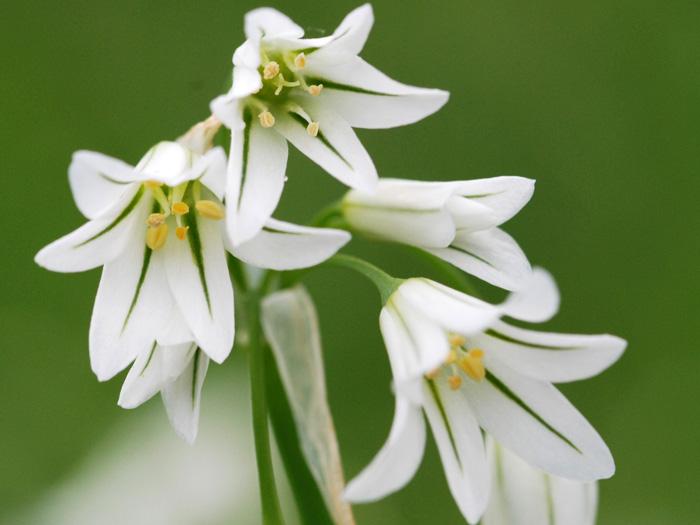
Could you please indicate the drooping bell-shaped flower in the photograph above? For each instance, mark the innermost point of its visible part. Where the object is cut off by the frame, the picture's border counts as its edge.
(310, 92)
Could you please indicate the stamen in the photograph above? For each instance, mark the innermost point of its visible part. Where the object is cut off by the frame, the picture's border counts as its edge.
(315, 90)
(155, 220)
(271, 70)
(180, 208)
(152, 184)
(312, 128)
(282, 83)
(210, 210)
(300, 60)
(451, 358)
(181, 232)
(433, 374)
(456, 341)
(471, 365)
(267, 120)
(156, 237)
(455, 382)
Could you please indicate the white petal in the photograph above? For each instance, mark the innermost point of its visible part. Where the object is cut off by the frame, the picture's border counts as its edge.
(145, 379)
(345, 42)
(198, 276)
(416, 345)
(100, 240)
(182, 397)
(557, 358)
(227, 108)
(536, 301)
(505, 196)
(98, 181)
(525, 495)
(461, 447)
(453, 310)
(209, 169)
(534, 420)
(246, 81)
(256, 168)
(284, 246)
(491, 255)
(247, 56)
(397, 461)
(367, 98)
(409, 212)
(130, 305)
(177, 358)
(165, 162)
(335, 148)
(267, 22)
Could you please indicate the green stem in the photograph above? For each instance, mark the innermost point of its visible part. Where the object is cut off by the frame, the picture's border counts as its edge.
(455, 277)
(385, 283)
(331, 216)
(271, 512)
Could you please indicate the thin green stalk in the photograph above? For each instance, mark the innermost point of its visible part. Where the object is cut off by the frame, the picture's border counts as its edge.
(271, 512)
(385, 283)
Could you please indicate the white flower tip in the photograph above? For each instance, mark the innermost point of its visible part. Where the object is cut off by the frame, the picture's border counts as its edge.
(537, 300)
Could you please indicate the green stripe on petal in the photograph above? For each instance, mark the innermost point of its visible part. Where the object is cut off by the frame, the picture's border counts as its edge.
(470, 254)
(248, 122)
(194, 377)
(320, 136)
(153, 349)
(507, 392)
(443, 415)
(113, 181)
(126, 211)
(329, 84)
(190, 219)
(142, 277)
(493, 333)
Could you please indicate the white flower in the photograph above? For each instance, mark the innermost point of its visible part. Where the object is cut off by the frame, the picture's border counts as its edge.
(156, 230)
(488, 375)
(456, 221)
(177, 372)
(525, 495)
(311, 92)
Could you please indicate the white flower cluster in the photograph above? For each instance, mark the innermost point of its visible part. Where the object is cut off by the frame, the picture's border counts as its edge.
(165, 302)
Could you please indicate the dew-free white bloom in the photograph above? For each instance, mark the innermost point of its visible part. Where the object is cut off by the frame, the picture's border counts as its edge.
(456, 221)
(525, 495)
(178, 373)
(156, 229)
(310, 92)
(452, 357)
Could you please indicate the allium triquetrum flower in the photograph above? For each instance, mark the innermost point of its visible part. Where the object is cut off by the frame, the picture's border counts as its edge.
(494, 377)
(456, 221)
(158, 232)
(310, 92)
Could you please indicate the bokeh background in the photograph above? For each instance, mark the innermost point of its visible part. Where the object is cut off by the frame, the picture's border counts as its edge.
(597, 101)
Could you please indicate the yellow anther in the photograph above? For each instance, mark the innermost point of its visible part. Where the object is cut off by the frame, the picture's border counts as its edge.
(210, 210)
(156, 237)
(471, 365)
(155, 220)
(152, 184)
(271, 70)
(433, 374)
(181, 232)
(451, 358)
(312, 128)
(180, 208)
(456, 341)
(315, 90)
(300, 60)
(455, 382)
(267, 120)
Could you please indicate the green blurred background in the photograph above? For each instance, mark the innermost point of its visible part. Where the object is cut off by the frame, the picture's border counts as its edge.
(597, 101)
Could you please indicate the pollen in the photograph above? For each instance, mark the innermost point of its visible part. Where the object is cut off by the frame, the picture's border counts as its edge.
(180, 208)
(210, 210)
(471, 365)
(433, 374)
(456, 341)
(267, 120)
(455, 382)
(312, 128)
(156, 237)
(300, 60)
(451, 358)
(152, 184)
(271, 70)
(155, 220)
(315, 90)
(181, 232)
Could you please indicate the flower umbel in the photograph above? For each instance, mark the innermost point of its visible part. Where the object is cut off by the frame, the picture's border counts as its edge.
(310, 92)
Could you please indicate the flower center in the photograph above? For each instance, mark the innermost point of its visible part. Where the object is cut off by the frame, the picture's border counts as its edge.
(172, 204)
(459, 358)
(282, 76)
